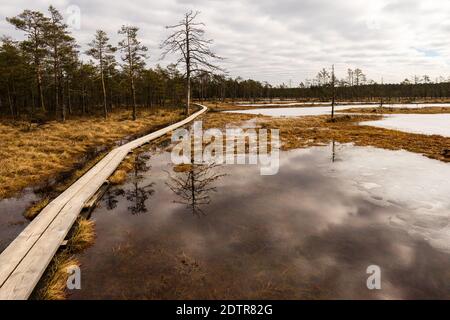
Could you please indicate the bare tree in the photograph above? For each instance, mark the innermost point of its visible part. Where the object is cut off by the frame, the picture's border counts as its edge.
(102, 51)
(188, 41)
(382, 93)
(350, 78)
(359, 76)
(333, 88)
(134, 53)
(323, 78)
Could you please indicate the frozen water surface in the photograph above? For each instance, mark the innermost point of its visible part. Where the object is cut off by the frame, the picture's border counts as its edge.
(282, 104)
(429, 124)
(324, 110)
(310, 231)
(404, 180)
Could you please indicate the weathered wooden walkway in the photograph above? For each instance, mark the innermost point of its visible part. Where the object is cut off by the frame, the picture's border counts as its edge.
(24, 261)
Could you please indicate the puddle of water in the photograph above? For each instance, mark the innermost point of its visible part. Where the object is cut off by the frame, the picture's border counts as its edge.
(325, 110)
(309, 232)
(429, 124)
(12, 221)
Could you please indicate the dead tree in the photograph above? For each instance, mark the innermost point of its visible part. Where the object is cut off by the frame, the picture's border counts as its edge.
(188, 41)
(333, 88)
(382, 93)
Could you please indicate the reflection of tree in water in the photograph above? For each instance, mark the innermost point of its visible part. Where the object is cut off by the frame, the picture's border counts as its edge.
(194, 185)
(334, 152)
(138, 194)
(110, 198)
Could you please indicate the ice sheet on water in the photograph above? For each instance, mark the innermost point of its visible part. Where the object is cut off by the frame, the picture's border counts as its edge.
(324, 110)
(402, 179)
(429, 124)
(282, 104)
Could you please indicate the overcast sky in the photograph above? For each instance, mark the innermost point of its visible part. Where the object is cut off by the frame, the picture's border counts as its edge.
(284, 40)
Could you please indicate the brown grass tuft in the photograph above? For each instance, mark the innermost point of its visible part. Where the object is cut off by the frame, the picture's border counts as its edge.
(33, 155)
(119, 177)
(53, 284)
(182, 168)
(36, 208)
(55, 280)
(82, 236)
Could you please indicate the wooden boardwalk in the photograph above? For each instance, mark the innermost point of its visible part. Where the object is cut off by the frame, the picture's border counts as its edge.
(25, 260)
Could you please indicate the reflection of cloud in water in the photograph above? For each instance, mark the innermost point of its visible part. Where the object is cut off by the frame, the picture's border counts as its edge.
(309, 232)
(418, 185)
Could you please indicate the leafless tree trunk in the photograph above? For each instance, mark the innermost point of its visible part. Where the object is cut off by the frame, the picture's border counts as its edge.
(187, 41)
(381, 101)
(333, 88)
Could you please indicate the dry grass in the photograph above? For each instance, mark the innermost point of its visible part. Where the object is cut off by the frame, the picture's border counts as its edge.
(36, 208)
(384, 110)
(230, 106)
(82, 235)
(34, 155)
(120, 175)
(56, 278)
(303, 132)
(182, 168)
(54, 282)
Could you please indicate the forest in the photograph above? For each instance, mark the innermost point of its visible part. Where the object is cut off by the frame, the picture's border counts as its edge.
(45, 76)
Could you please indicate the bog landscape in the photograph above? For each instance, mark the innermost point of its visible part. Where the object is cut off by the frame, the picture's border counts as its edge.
(285, 160)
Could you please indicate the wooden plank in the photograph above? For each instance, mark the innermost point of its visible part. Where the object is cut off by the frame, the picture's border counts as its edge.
(26, 258)
(27, 274)
(96, 197)
(14, 253)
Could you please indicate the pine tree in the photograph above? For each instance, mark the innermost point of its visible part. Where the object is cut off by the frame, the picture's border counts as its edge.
(33, 23)
(62, 48)
(133, 58)
(103, 52)
(13, 69)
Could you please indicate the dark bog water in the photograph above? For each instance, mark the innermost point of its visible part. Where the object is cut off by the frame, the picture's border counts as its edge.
(311, 231)
(12, 221)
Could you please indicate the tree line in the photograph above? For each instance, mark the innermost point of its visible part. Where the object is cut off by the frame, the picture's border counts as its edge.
(44, 75)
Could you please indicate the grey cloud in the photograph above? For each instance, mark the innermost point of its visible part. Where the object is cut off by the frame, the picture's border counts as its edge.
(283, 40)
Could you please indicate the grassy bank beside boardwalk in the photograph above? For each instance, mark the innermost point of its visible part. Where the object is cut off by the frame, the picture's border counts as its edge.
(38, 155)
